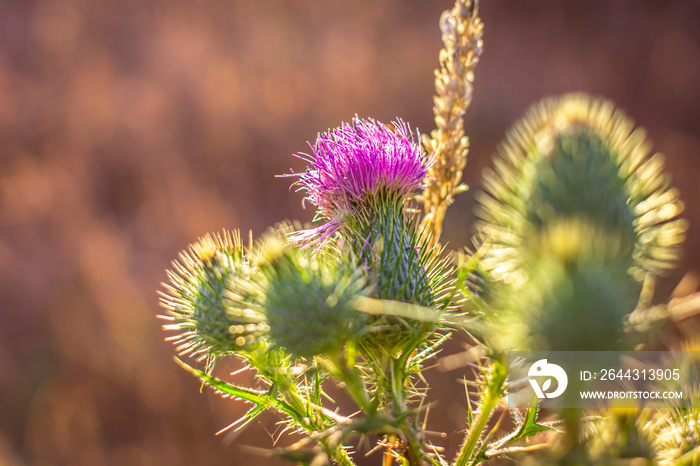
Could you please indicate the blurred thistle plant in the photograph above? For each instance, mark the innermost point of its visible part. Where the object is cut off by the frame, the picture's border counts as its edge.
(576, 221)
(576, 216)
(667, 437)
(675, 432)
(676, 436)
(622, 433)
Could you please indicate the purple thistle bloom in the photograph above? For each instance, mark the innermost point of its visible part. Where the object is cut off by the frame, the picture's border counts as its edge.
(356, 163)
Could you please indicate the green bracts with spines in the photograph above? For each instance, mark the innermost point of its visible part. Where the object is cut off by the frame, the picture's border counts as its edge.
(575, 215)
(206, 300)
(401, 267)
(309, 299)
(577, 156)
(386, 243)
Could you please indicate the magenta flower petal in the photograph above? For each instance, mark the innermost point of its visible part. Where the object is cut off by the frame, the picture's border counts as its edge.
(355, 163)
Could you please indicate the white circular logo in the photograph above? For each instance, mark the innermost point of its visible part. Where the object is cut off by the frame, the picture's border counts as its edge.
(541, 369)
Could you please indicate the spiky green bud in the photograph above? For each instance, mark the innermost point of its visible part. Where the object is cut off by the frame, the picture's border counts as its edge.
(677, 437)
(676, 430)
(576, 214)
(577, 156)
(198, 299)
(575, 294)
(309, 299)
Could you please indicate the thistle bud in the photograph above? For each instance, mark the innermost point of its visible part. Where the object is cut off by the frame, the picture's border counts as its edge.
(576, 156)
(309, 300)
(576, 214)
(210, 323)
(575, 293)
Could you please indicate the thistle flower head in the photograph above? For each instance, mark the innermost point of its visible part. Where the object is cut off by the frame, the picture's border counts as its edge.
(356, 163)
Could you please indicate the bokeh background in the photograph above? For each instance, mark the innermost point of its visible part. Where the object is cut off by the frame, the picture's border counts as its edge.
(130, 127)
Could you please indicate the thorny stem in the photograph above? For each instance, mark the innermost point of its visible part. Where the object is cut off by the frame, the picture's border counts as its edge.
(462, 32)
(399, 378)
(493, 388)
(341, 457)
(338, 365)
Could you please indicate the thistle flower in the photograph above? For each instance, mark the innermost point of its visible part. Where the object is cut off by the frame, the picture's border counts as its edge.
(360, 177)
(355, 164)
(209, 302)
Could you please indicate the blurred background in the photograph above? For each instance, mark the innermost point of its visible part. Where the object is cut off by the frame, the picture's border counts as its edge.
(128, 128)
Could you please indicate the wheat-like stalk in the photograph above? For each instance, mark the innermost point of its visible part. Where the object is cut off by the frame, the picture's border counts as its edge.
(462, 32)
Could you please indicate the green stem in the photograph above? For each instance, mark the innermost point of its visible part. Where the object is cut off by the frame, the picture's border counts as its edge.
(399, 377)
(338, 365)
(414, 450)
(490, 398)
(341, 457)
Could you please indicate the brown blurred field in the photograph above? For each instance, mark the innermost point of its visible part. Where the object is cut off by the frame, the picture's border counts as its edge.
(129, 128)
